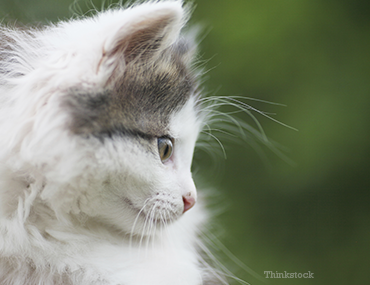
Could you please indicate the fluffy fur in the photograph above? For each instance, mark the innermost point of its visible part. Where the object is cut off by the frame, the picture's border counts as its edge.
(84, 195)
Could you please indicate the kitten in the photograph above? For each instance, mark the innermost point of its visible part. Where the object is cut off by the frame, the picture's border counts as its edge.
(98, 122)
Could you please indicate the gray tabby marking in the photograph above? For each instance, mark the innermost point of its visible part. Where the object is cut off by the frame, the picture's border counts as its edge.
(138, 102)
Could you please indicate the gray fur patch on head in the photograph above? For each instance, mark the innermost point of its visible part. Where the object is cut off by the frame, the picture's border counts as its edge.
(138, 102)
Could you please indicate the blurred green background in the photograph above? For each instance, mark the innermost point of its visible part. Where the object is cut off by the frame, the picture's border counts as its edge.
(313, 56)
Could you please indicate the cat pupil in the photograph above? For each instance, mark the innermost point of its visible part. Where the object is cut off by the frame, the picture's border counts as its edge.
(165, 148)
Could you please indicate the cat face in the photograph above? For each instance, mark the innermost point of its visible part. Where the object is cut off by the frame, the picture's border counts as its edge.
(113, 118)
(135, 187)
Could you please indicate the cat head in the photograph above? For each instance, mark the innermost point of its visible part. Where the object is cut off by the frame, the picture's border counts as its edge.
(104, 115)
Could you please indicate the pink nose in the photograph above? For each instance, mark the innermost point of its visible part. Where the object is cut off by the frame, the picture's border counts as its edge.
(189, 202)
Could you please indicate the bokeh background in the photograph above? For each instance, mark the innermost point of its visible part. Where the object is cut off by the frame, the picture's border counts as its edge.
(311, 214)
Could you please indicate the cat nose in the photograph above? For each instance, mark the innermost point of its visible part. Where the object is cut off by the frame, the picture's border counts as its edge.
(189, 201)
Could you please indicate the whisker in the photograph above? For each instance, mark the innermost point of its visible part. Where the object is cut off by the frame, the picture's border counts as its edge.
(220, 276)
(169, 233)
(219, 142)
(215, 243)
(162, 228)
(153, 226)
(206, 99)
(150, 225)
(144, 227)
(136, 219)
(224, 123)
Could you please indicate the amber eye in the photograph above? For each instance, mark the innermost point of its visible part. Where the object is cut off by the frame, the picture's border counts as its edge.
(165, 148)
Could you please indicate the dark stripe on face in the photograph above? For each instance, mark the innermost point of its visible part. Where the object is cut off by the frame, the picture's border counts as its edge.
(140, 102)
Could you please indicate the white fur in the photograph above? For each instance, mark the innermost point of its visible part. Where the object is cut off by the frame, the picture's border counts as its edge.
(63, 217)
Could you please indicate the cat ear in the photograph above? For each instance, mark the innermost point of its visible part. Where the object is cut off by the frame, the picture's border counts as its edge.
(142, 34)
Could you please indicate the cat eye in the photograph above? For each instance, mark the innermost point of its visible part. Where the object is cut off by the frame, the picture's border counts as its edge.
(165, 148)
